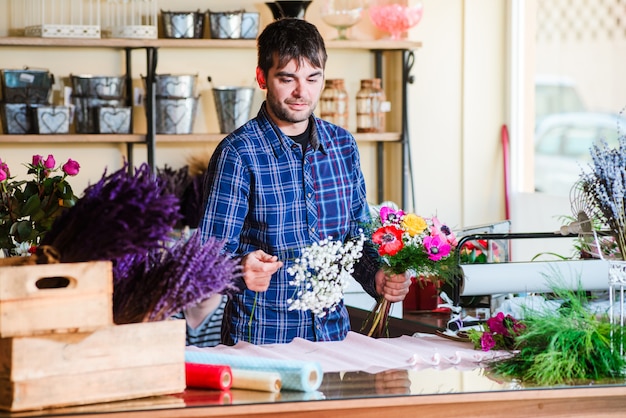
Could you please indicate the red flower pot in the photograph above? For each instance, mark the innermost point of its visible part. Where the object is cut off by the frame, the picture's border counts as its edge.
(423, 295)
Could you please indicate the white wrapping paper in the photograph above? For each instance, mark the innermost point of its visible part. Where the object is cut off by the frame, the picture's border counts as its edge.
(489, 279)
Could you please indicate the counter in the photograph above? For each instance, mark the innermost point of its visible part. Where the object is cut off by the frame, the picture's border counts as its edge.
(439, 378)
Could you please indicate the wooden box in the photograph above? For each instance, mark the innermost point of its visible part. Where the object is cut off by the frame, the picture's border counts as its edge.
(117, 362)
(65, 297)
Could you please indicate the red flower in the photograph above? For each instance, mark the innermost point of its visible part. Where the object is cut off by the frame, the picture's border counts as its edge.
(389, 240)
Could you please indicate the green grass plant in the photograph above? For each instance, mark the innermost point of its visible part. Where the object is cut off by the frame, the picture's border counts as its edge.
(567, 346)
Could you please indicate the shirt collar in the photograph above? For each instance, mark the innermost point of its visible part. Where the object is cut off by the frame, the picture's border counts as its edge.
(284, 142)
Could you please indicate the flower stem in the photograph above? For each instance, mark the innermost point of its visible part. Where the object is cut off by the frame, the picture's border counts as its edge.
(256, 295)
(379, 321)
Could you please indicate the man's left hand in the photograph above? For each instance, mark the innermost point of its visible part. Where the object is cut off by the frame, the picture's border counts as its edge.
(394, 287)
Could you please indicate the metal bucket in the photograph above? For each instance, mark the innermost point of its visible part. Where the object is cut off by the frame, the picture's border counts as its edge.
(250, 25)
(233, 106)
(17, 118)
(26, 86)
(86, 112)
(175, 116)
(225, 25)
(183, 24)
(173, 86)
(103, 87)
(52, 119)
(114, 120)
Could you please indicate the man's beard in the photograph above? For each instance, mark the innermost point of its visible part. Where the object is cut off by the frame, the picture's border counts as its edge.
(284, 114)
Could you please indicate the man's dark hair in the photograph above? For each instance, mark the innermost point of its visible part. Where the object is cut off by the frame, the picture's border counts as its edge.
(290, 38)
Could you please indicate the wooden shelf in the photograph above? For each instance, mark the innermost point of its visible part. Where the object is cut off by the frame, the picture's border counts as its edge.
(19, 41)
(73, 138)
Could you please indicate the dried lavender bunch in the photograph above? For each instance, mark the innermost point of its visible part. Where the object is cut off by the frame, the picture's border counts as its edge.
(174, 181)
(120, 214)
(155, 286)
(192, 203)
(604, 187)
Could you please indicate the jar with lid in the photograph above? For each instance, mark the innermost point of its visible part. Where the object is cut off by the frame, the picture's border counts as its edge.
(334, 102)
(370, 102)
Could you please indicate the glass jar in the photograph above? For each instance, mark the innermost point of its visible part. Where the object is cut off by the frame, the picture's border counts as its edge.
(334, 102)
(370, 101)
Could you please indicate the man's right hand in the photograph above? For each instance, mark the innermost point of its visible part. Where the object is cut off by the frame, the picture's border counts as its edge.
(258, 268)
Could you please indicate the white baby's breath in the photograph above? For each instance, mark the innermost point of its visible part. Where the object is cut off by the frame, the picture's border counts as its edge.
(321, 274)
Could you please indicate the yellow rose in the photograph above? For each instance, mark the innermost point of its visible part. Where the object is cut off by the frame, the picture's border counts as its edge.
(414, 224)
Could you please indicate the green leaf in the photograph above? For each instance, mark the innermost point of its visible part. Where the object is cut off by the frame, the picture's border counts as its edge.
(32, 205)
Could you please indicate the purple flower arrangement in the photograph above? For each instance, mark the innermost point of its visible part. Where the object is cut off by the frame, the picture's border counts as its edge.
(129, 219)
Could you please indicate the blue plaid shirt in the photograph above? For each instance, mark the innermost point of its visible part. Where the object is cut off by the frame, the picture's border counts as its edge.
(264, 194)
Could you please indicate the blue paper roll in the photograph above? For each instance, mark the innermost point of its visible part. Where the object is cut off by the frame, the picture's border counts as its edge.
(304, 376)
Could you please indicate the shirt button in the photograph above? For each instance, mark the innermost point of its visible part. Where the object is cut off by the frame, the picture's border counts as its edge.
(310, 194)
(313, 229)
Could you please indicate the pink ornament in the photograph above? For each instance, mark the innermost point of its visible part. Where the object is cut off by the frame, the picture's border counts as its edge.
(395, 18)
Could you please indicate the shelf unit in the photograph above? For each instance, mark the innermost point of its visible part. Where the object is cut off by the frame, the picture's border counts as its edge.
(150, 138)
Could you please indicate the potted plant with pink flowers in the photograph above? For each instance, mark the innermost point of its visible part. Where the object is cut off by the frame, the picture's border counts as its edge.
(29, 207)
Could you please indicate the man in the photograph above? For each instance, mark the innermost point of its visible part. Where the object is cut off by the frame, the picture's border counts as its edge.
(282, 182)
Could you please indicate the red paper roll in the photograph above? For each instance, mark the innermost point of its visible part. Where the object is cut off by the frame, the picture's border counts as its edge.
(208, 376)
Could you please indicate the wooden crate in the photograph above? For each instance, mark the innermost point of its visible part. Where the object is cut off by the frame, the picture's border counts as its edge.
(65, 297)
(117, 362)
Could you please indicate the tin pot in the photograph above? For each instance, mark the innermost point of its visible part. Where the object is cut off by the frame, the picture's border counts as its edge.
(175, 86)
(233, 106)
(183, 24)
(26, 86)
(113, 120)
(86, 112)
(17, 118)
(52, 119)
(226, 25)
(175, 116)
(103, 87)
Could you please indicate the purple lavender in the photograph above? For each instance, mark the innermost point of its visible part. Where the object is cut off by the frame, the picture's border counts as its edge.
(160, 284)
(121, 214)
(604, 187)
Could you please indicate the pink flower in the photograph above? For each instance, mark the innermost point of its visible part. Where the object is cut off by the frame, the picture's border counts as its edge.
(436, 247)
(71, 167)
(487, 341)
(443, 231)
(5, 170)
(496, 324)
(388, 214)
(49, 163)
(3, 174)
(388, 239)
(37, 160)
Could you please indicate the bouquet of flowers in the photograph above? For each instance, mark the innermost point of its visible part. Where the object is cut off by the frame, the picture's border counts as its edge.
(321, 274)
(498, 333)
(409, 244)
(28, 208)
